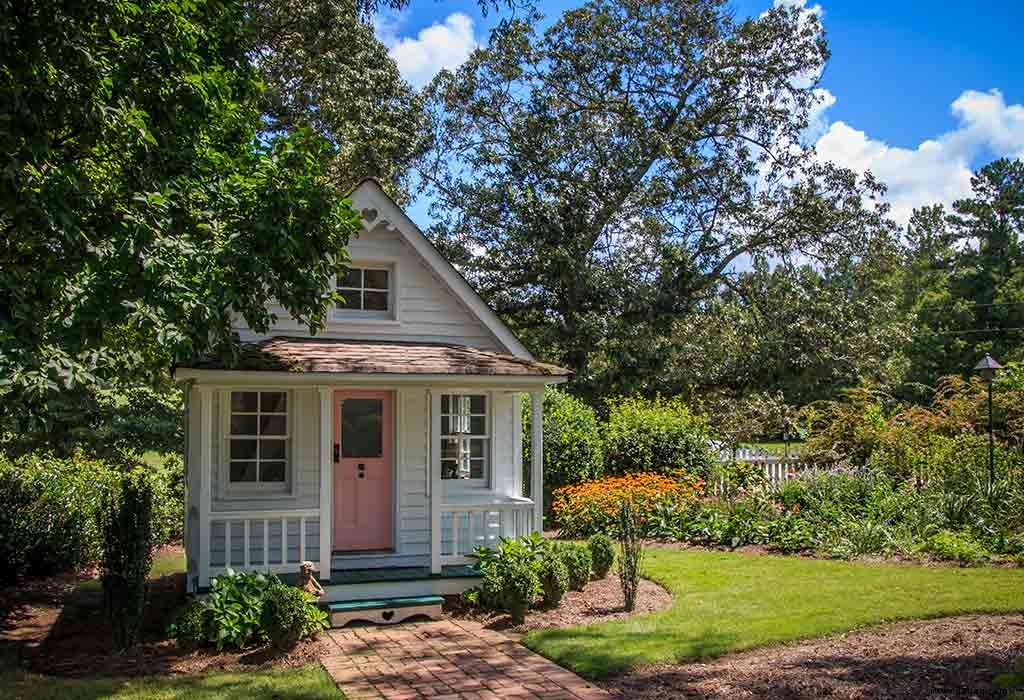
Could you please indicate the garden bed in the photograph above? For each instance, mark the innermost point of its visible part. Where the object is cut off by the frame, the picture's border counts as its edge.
(599, 601)
(953, 657)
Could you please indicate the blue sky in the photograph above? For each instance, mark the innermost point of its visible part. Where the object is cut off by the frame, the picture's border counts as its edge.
(919, 92)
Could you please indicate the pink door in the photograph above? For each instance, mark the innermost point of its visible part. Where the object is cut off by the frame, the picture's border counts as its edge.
(363, 471)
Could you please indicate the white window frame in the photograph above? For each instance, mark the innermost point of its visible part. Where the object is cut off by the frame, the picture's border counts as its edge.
(260, 489)
(371, 316)
(487, 436)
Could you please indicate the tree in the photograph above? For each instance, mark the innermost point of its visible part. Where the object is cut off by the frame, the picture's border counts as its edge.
(325, 70)
(599, 180)
(139, 210)
(965, 280)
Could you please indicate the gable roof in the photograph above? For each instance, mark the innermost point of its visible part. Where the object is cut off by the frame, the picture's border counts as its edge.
(377, 207)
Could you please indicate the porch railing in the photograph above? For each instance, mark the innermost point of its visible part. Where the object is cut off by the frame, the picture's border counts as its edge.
(464, 527)
(268, 541)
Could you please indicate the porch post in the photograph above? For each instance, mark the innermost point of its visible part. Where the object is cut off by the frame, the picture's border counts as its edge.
(537, 458)
(434, 455)
(207, 426)
(326, 480)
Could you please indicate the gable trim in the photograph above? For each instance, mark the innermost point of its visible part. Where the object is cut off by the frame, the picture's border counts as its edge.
(368, 194)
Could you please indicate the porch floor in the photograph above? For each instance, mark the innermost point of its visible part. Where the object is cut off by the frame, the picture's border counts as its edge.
(398, 573)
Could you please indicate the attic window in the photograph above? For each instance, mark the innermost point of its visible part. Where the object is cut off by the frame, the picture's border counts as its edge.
(366, 291)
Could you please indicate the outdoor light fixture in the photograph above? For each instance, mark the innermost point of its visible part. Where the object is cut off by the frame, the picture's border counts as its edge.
(987, 368)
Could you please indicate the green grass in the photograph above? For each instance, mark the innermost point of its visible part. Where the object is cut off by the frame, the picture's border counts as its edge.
(307, 683)
(164, 564)
(725, 602)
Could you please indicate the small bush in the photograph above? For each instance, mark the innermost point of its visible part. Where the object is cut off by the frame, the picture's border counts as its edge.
(510, 577)
(189, 626)
(573, 448)
(602, 554)
(576, 557)
(957, 546)
(284, 615)
(127, 525)
(791, 534)
(631, 554)
(659, 435)
(554, 580)
(592, 507)
(235, 609)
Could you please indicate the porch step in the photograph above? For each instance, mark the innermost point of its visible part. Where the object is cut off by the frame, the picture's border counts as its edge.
(385, 611)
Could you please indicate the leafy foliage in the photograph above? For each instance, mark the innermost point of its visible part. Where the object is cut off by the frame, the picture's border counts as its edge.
(289, 615)
(554, 579)
(658, 435)
(576, 557)
(189, 626)
(573, 449)
(126, 522)
(510, 577)
(957, 546)
(141, 213)
(602, 554)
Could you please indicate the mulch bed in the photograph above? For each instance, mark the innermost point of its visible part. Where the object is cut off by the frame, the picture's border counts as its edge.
(49, 627)
(951, 657)
(600, 601)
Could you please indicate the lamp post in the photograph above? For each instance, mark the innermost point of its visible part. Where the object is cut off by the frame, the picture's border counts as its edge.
(987, 368)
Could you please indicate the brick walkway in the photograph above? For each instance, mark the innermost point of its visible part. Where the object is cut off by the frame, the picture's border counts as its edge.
(448, 660)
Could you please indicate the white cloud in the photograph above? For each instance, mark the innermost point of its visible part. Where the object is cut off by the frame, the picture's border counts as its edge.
(938, 169)
(444, 45)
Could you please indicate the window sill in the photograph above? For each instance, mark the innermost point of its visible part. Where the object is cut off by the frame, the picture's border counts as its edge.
(359, 321)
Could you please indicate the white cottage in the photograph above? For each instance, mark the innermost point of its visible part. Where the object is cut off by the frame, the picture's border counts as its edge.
(385, 449)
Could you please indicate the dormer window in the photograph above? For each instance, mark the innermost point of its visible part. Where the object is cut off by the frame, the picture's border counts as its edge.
(367, 291)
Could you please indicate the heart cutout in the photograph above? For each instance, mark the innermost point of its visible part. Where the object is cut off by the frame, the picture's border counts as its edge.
(388, 615)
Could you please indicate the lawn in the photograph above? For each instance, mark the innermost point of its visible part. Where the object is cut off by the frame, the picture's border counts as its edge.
(307, 683)
(164, 564)
(725, 602)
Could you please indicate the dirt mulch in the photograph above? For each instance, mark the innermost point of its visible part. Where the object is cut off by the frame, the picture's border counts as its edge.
(599, 601)
(937, 659)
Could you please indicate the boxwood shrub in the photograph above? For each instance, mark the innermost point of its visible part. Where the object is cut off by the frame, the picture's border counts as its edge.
(655, 435)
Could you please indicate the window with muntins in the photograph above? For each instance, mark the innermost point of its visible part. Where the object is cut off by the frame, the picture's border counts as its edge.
(258, 437)
(465, 440)
(366, 289)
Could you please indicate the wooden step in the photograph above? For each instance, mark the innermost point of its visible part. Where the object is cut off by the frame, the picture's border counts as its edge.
(385, 611)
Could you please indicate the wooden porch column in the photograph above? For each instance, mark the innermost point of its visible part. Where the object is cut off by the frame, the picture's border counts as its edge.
(208, 425)
(537, 458)
(326, 480)
(434, 472)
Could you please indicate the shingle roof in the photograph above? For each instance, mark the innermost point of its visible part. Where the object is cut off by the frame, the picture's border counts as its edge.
(284, 354)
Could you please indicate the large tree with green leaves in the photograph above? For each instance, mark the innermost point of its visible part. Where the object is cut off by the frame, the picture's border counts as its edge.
(140, 209)
(601, 178)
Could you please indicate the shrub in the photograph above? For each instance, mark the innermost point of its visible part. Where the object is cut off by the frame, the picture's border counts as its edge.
(589, 508)
(658, 435)
(235, 608)
(602, 554)
(957, 546)
(573, 449)
(576, 557)
(554, 580)
(168, 482)
(189, 626)
(127, 525)
(284, 615)
(510, 577)
(49, 511)
(791, 534)
(631, 553)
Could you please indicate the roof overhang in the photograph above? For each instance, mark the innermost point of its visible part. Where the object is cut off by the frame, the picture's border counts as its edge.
(257, 378)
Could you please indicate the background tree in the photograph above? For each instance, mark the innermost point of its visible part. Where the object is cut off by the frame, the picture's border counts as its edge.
(139, 209)
(598, 180)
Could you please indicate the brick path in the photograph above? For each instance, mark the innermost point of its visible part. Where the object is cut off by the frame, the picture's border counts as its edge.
(448, 660)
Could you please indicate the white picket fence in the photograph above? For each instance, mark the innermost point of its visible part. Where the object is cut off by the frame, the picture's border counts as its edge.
(776, 469)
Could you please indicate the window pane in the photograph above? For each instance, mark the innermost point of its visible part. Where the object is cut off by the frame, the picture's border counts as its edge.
(449, 449)
(243, 471)
(353, 277)
(350, 299)
(446, 425)
(273, 425)
(243, 425)
(243, 449)
(375, 279)
(449, 469)
(272, 449)
(478, 425)
(476, 469)
(445, 403)
(362, 422)
(244, 401)
(477, 448)
(375, 301)
(477, 404)
(272, 471)
(273, 402)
